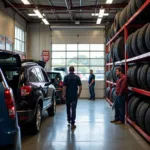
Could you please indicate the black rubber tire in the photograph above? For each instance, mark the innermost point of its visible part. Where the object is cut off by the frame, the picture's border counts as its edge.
(143, 77)
(129, 14)
(138, 75)
(148, 78)
(142, 115)
(129, 105)
(147, 121)
(147, 37)
(123, 17)
(137, 112)
(112, 30)
(129, 48)
(114, 95)
(133, 7)
(34, 125)
(141, 40)
(139, 3)
(129, 76)
(52, 109)
(111, 51)
(108, 91)
(133, 108)
(114, 75)
(136, 52)
(133, 76)
(116, 23)
(119, 49)
(107, 58)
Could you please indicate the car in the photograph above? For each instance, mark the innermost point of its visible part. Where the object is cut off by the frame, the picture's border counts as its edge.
(32, 89)
(9, 129)
(57, 77)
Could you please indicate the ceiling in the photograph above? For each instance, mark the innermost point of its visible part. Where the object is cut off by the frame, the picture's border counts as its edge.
(67, 12)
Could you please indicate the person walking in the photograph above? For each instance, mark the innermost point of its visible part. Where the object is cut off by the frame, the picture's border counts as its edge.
(91, 83)
(72, 88)
(119, 104)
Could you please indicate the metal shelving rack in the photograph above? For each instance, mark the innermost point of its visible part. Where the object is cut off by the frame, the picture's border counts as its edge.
(124, 30)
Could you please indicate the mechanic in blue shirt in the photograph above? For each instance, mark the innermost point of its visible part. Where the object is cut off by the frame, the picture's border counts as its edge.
(72, 84)
(91, 83)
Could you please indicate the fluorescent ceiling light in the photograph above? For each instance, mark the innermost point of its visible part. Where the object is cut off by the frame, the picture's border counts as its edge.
(38, 13)
(109, 1)
(26, 2)
(96, 14)
(101, 13)
(32, 14)
(45, 21)
(106, 14)
(99, 20)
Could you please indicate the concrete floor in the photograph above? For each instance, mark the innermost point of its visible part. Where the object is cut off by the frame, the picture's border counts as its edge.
(94, 131)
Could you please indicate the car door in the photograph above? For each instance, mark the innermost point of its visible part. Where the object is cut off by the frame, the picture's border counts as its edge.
(50, 88)
(44, 88)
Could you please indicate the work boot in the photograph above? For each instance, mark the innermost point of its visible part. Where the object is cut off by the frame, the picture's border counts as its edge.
(73, 126)
(119, 122)
(113, 121)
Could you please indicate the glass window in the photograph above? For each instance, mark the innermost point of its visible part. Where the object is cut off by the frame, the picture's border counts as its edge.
(39, 75)
(97, 47)
(71, 47)
(33, 76)
(82, 56)
(59, 62)
(96, 54)
(71, 54)
(97, 62)
(84, 47)
(58, 55)
(19, 40)
(59, 47)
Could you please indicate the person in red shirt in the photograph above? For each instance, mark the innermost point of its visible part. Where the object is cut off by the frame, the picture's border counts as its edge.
(121, 90)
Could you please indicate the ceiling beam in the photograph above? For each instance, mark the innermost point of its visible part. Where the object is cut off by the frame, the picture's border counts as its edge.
(47, 7)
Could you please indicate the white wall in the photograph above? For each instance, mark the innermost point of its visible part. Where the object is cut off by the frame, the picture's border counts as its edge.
(39, 38)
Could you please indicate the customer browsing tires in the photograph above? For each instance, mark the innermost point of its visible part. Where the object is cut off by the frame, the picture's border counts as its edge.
(119, 103)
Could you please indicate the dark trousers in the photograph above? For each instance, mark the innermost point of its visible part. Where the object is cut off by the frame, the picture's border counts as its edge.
(120, 108)
(71, 111)
(92, 91)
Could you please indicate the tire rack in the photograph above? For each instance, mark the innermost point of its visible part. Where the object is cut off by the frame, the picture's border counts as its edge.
(125, 62)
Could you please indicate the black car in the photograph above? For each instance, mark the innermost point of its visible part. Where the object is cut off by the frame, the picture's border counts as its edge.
(57, 77)
(31, 87)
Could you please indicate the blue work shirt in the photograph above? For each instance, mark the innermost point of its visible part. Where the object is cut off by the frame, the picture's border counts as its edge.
(72, 82)
(91, 77)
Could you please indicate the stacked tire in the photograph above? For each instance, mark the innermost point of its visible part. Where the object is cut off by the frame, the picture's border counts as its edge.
(138, 42)
(139, 76)
(139, 111)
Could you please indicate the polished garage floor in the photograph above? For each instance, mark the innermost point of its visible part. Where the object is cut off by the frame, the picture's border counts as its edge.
(93, 132)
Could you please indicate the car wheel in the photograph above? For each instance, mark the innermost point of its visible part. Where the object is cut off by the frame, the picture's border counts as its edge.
(52, 109)
(36, 122)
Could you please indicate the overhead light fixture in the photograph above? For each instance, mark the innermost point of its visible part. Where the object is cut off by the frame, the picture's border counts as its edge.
(101, 13)
(37, 12)
(43, 14)
(96, 14)
(109, 1)
(106, 14)
(32, 14)
(26, 2)
(99, 20)
(45, 21)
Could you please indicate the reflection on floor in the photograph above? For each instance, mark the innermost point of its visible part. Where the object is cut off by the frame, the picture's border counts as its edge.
(93, 132)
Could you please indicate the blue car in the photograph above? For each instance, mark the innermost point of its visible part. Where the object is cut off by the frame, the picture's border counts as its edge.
(9, 130)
